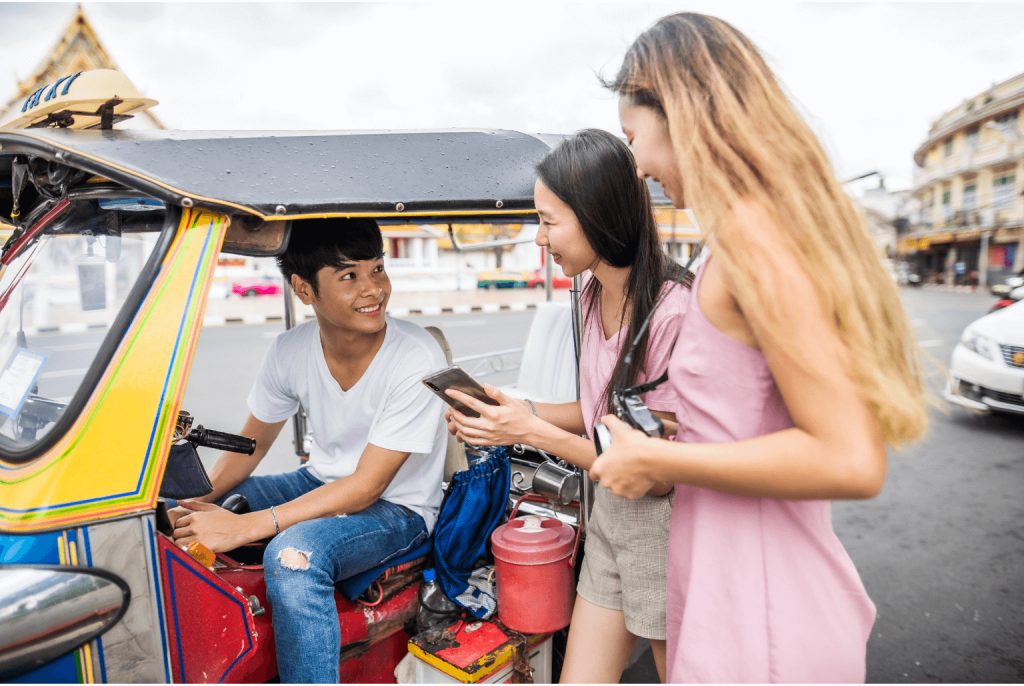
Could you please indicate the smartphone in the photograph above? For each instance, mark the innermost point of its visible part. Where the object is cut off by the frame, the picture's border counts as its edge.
(457, 378)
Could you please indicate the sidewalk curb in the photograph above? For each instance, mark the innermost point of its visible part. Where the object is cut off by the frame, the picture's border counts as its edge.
(951, 289)
(428, 311)
(259, 319)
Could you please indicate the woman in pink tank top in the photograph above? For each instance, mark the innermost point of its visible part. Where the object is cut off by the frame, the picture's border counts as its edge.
(596, 218)
(795, 367)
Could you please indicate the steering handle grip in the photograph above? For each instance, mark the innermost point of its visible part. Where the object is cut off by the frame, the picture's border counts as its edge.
(219, 440)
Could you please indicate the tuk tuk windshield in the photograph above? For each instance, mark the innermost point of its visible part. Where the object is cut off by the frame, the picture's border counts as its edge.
(61, 290)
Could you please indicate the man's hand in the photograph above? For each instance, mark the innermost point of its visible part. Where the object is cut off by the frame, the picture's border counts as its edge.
(213, 526)
(176, 513)
(620, 468)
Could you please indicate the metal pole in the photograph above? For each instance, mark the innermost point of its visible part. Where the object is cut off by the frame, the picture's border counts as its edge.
(547, 275)
(299, 420)
(586, 485)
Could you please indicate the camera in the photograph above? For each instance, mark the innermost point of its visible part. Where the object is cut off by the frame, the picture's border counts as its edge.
(631, 409)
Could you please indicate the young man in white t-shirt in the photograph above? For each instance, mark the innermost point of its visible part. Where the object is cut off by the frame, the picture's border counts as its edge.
(372, 487)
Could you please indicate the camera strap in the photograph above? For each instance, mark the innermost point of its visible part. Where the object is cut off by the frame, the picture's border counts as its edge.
(646, 387)
(686, 277)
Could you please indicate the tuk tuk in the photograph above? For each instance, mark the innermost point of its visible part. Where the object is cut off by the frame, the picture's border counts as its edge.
(116, 237)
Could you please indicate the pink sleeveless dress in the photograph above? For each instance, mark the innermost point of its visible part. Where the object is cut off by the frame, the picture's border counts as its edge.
(759, 589)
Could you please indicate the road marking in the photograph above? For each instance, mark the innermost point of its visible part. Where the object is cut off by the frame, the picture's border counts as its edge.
(932, 343)
(456, 323)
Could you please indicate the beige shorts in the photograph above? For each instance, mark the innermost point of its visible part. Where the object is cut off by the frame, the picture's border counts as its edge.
(625, 560)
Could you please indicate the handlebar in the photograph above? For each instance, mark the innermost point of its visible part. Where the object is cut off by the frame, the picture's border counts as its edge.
(218, 440)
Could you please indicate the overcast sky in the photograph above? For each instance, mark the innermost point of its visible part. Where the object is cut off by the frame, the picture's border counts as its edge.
(869, 77)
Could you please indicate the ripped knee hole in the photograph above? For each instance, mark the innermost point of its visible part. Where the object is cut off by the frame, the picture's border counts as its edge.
(293, 559)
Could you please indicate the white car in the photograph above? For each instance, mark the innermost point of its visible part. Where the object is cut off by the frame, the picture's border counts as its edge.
(986, 372)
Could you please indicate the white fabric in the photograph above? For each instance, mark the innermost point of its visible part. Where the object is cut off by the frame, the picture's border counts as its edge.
(388, 407)
(547, 372)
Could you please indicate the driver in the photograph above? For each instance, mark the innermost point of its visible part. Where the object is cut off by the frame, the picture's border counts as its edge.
(372, 487)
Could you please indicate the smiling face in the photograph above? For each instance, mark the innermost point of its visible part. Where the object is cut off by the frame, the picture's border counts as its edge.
(646, 132)
(351, 299)
(561, 234)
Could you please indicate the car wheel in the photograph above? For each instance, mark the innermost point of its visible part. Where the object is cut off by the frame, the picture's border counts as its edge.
(249, 293)
(491, 286)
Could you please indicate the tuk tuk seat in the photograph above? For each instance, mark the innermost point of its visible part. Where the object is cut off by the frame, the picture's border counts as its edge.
(355, 586)
(547, 372)
(455, 456)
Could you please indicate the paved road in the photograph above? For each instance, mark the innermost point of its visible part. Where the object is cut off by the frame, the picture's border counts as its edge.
(941, 551)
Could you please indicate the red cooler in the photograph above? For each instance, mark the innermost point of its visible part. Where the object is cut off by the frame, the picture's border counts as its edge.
(533, 560)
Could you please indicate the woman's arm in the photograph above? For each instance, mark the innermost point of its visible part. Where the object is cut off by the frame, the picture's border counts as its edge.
(834, 450)
(552, 430)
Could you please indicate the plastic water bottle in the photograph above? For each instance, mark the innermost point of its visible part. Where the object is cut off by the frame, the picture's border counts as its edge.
(435, 609)
(481, 453)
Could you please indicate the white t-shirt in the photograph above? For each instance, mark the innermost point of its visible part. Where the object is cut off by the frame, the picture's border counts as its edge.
(389, 407)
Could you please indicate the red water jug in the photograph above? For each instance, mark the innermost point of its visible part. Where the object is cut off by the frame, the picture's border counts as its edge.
(533, 559)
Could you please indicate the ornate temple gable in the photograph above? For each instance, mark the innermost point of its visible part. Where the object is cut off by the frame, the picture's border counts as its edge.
(77, 50)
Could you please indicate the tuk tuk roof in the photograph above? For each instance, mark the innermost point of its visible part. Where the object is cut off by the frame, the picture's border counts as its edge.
(298, 174)
(289, 175)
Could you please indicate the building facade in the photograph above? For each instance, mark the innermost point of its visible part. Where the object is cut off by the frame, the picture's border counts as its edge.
(968, 190)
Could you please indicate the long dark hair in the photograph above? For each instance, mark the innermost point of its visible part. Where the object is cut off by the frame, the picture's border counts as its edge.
(594, 173)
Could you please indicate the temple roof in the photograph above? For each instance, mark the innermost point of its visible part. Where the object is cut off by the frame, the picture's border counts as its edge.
(78, 49)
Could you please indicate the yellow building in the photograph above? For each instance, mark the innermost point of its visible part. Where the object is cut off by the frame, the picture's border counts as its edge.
(968, 185)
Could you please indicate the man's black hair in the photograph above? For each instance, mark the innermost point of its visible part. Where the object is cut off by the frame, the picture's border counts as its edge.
(339, 243)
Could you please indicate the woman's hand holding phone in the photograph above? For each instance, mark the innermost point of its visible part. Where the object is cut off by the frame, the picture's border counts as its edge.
(507, 422)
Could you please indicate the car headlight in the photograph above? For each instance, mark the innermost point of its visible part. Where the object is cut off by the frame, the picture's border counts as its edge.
(983, 345)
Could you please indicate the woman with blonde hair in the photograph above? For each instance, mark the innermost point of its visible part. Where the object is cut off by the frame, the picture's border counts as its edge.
(795, 367)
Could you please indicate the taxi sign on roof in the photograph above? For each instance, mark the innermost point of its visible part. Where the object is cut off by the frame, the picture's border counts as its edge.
(82, 100)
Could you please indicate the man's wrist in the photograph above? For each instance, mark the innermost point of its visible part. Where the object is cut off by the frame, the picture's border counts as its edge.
(258, 525)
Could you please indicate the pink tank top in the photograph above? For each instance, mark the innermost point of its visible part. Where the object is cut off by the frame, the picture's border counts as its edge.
(759, 589)
(599, 355)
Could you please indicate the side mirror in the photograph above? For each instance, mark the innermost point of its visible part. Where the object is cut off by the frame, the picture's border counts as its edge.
(48, 611)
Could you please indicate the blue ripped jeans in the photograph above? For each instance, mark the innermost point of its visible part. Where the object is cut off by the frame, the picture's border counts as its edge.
(306, 630)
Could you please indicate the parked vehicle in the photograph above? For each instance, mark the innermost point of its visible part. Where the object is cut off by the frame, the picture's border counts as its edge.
(502, 279)
(117, 235)
(257, 285)
(1015, 295)
(1010, 283)
(986, 372)
(906, 275)
(537, 280)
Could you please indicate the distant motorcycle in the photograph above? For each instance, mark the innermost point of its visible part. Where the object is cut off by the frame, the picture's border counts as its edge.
(1011, 283)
